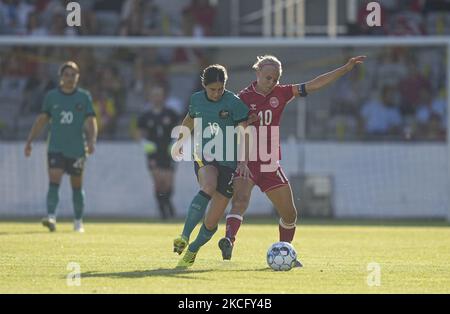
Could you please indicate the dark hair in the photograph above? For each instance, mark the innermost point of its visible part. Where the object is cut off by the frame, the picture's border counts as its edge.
(68, 64)
(214, 73)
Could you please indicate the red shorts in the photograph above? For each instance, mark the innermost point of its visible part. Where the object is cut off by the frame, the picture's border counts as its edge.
(266, 181)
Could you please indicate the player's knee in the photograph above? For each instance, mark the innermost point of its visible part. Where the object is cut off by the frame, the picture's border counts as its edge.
(288, 221)
(209, 225)
(290, 217)
(209, 188)
(239, 204)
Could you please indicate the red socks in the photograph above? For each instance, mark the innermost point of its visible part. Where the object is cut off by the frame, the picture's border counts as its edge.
(233, 224)
(287, 231)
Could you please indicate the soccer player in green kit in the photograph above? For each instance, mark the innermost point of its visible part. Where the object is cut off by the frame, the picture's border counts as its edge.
(218, 109)
(68, 109)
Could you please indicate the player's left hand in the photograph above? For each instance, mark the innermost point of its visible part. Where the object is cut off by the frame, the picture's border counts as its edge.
(243, 170)
(354, 61)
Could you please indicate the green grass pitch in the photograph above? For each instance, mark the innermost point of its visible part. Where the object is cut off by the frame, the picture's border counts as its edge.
(137, 257)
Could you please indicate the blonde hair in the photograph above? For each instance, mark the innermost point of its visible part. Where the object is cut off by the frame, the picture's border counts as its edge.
(262, 61)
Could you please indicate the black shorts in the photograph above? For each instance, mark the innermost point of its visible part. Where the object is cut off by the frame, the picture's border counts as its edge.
(71, 166)
(225, 179)
(158, 161)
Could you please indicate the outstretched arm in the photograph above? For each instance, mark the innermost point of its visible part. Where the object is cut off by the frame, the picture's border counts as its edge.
(329, 77)
(38, 125)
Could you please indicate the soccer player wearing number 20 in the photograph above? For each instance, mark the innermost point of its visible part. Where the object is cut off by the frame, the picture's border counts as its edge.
(68, 109)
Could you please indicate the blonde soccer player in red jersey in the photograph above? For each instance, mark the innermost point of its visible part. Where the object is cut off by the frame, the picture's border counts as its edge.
(266, 99)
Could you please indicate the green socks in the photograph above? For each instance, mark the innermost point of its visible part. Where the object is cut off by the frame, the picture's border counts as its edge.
(52, 198)
(196, 212)
(78, 203)
(203, 237)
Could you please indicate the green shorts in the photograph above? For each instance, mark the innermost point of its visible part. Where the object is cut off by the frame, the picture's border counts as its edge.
(225, 179)
(71, 166)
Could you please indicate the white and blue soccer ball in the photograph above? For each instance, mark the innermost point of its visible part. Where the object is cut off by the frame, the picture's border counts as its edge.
(281, 256)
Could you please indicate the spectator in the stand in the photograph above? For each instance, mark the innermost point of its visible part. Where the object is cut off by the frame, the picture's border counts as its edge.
(149, 65)
(14, 14)
(411, 88)
(348, 93)
(423, 115)
(108, 5)
(14, 75)
(141, 18)
(105, 111)
(37, 86)
(34, 26)
(88, 22)
(111, 83)
(203, 16)
(439, 107)
(59, 26)
(406, 23)
(188, 55)
(433, 5)
(431, 118)
(391, 67)
(137, 85)
(380, 116)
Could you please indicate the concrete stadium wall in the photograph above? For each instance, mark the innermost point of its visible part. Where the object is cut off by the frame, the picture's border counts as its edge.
(371, 180)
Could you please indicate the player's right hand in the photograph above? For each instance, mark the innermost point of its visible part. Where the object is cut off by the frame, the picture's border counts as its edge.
(28, 149)
(252, 118)
(90, 148)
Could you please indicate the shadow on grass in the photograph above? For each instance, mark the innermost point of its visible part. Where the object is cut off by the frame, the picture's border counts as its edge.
(160, 272)
(163, 272)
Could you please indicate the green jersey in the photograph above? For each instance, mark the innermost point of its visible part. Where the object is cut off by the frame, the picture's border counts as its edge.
(67, 113)
(216, 116)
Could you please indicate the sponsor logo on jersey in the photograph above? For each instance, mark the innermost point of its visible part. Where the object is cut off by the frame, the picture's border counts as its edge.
(274, 102)
(223, 114)
(252, 106)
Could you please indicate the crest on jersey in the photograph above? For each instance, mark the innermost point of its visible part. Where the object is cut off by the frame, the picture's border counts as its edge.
(223, 114)
(274, 102)
(252, 106)
(79, 107)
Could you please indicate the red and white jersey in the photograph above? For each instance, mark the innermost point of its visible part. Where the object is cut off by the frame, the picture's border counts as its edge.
(268, 109)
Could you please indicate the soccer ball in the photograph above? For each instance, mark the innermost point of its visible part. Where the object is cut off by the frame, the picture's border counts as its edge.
(281, 256)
